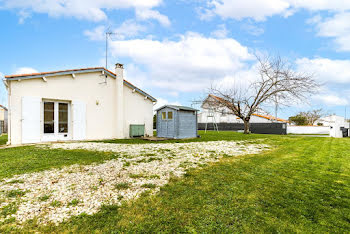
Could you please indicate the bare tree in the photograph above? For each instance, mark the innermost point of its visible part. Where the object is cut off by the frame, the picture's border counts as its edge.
(276, 82)
(312, 115)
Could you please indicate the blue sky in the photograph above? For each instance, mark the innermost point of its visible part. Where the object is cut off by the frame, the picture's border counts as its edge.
(175, 50)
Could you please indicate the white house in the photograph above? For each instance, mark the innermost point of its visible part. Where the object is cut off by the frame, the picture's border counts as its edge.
(332, 120)
(79, 104)
(329, 125)
(209, 114)
(3, 119)
(335, 123)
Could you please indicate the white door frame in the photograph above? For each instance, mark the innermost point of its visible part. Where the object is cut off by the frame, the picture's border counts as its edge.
(56, 136)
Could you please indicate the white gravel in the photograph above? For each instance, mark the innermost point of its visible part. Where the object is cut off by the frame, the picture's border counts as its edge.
(78, 189)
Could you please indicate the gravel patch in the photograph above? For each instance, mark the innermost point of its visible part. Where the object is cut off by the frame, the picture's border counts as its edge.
(58, 194)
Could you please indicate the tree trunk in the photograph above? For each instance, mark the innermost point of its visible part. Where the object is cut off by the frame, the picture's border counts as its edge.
(246, 127)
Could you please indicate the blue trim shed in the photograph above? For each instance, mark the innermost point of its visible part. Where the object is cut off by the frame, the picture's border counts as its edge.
(176, 122)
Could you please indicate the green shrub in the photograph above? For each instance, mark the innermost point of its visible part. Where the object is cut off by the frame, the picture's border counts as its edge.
(56, 203)
(16, 193)
(121, 186)
(149, 186)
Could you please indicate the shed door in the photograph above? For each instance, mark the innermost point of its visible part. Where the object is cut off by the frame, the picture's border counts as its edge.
(31, 119)
(79, 120)
(170, 124)
(162, 124)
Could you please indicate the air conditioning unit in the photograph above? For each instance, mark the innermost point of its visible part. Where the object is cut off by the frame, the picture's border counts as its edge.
(137, 130)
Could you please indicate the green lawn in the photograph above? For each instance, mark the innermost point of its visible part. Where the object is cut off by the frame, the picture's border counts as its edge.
(27, 159)
(303, 185)
(3, 139)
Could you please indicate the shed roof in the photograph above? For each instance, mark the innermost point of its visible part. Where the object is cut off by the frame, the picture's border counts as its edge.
(76, 71)
(177, 108)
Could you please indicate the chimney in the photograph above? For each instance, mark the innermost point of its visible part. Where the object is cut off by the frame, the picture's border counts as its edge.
(119, 82)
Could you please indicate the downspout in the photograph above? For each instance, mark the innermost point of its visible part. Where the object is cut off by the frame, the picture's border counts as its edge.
(119, 81)
(197, 124)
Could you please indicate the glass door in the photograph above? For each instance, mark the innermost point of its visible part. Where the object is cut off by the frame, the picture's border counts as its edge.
(56, 121)
(49, 117)
(63, 117)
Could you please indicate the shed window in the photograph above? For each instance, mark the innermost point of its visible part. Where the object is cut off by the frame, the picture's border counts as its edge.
(170, 115)
(163, 115)
(49, 117)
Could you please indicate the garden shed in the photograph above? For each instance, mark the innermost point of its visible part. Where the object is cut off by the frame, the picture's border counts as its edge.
(176, 122)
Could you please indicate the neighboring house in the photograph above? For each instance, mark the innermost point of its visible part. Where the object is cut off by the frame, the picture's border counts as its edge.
(79, 104)
(332, 120)
(209, 114)
(176, 122)
(3, 119)
(338, 125)
(332, 125)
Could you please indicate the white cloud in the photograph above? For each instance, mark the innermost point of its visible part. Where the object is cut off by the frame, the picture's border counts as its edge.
(337, 27)
(161, 102)
(319, 5)
(326, 70)
(93, 10)
(146, 14)
(129, 28)
(259, 10)
(25, 70)
(96, 34)
(240, 79)
(255, 9)
(252, 29)
(23, 15)
(188, 64)
(220, 32)
(332, 100)
(135, 75)
(334, 74)
(205, 14)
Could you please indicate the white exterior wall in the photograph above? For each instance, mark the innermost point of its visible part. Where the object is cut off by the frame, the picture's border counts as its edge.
(308, 129)
(100, 100)
(137, 110)
(219, 117)
(333, 120)
(228, 118)
(2, 113)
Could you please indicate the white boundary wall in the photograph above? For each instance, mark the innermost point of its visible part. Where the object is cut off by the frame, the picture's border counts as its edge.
(308, 130)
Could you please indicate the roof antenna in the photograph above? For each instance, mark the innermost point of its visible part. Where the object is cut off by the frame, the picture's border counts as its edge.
(108, 34)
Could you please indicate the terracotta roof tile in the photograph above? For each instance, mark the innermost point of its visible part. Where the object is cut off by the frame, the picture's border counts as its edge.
(1, 106)
(269, 117)
(9, 77)
(53, 72)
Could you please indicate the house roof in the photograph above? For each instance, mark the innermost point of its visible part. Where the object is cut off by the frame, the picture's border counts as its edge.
(269, 117)
(177, 108)
(76, 71)
(1, 106)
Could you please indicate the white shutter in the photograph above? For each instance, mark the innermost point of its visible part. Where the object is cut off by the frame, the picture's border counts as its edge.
(79, 120)
(31, 119)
